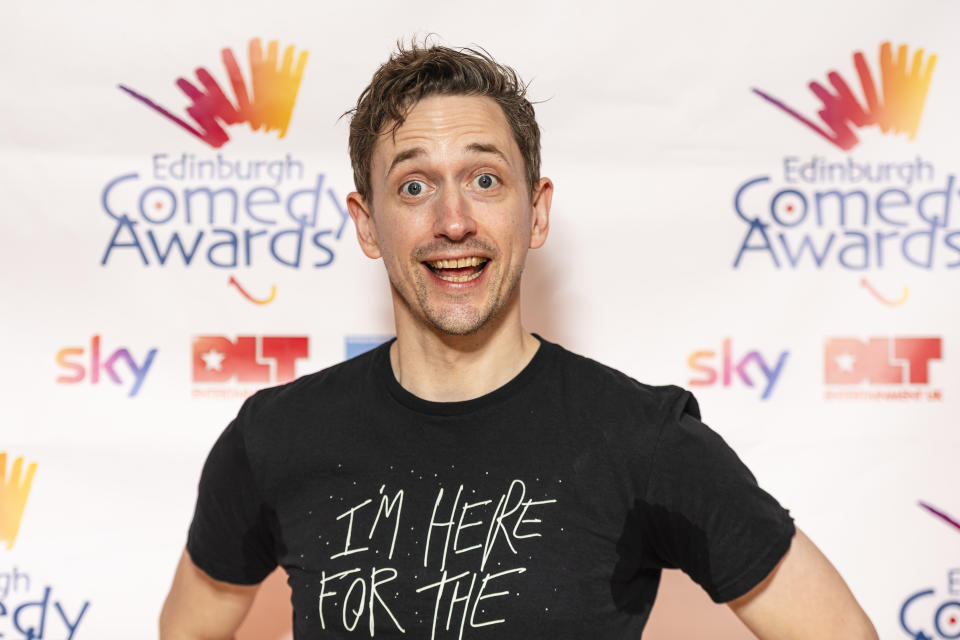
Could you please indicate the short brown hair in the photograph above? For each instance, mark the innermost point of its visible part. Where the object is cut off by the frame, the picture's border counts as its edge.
(417, 71)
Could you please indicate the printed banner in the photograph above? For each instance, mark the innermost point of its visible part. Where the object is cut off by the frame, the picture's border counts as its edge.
(760, 205)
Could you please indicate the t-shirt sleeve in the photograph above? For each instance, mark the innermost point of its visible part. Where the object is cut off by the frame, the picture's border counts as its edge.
(704, 513)
(231, 538)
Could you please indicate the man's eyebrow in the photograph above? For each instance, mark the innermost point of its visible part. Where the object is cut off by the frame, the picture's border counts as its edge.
(403, 156)
(474, 147)
(479, 147)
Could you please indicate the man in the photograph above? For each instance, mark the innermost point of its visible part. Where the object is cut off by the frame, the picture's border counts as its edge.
(470, 479)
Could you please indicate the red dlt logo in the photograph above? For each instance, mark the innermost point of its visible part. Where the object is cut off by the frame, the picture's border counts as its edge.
(880, 360)
(270, 359)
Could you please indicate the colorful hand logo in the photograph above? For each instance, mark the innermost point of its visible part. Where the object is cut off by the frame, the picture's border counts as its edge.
(904, 95)
(13, 497)
(274, 92)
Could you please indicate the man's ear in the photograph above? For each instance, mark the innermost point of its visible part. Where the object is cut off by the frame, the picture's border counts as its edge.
(363, 221)
(540, 223)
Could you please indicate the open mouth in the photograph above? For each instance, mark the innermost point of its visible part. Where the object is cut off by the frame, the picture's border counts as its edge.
(458, 270)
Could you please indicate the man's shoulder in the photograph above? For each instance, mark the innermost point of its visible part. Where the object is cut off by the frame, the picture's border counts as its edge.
(311, 395)
(585, 378)
(629, 416)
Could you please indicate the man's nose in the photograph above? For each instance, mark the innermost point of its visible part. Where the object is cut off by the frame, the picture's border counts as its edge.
(454, 220)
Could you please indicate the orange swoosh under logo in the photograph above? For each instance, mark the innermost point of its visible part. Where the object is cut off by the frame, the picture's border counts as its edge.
(243, 292)
(876, 294)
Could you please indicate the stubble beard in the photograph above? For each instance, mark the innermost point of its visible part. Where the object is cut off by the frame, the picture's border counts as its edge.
(463, 320)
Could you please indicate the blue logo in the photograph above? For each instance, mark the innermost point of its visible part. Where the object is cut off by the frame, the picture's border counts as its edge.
(851, 215)
(355, 345)
(223, 213)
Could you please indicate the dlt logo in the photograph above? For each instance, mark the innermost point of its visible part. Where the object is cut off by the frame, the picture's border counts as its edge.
(701, 361)
(880, 360)
(109, 366)
(14, 491)
(268, 359)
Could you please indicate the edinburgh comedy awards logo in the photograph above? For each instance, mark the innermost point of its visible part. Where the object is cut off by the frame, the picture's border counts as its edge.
(847, 211)
(221, 211)
(14, 491)
(28, 610)
(933, 612)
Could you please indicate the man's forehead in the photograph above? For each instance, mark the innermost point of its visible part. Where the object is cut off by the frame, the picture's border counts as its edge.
(468, 124)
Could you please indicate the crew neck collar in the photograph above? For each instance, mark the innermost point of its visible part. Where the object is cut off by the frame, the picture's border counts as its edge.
(384, 373)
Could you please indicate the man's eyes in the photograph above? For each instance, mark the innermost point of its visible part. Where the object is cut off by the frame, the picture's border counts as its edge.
(412, 188)
(416, 188)
(486, 181)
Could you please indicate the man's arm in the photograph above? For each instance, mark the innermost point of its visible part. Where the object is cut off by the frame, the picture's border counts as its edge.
(803, 598)
(201, 608)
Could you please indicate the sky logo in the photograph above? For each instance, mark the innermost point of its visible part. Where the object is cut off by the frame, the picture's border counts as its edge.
(268, 103)
(69, 358)
(898, 110)
(731, 369)
(14, 491)
(249, 359)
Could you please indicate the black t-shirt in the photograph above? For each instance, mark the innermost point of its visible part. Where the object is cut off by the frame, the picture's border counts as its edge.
(544, 509)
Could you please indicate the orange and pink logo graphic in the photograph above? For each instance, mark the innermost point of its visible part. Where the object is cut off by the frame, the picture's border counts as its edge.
(268, 103)
(14, 491)
(889, 301)
(898, 110)
(267, 300)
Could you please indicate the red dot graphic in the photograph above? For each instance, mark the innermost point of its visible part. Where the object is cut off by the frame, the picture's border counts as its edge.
(158, 205)
(953, 620)
(789, 208)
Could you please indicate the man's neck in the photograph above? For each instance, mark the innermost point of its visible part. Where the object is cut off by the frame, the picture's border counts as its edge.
(444, 368)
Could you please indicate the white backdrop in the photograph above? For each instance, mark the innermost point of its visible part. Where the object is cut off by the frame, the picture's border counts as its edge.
(650, 128)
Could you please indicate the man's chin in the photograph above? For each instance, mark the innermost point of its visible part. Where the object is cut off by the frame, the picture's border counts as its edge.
(458, 320)
(459, 326)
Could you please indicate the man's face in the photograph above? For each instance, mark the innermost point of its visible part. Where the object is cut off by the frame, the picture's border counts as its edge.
(451, 213)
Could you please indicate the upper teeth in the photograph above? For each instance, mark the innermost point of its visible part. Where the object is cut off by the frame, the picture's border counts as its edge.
(457, 264)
